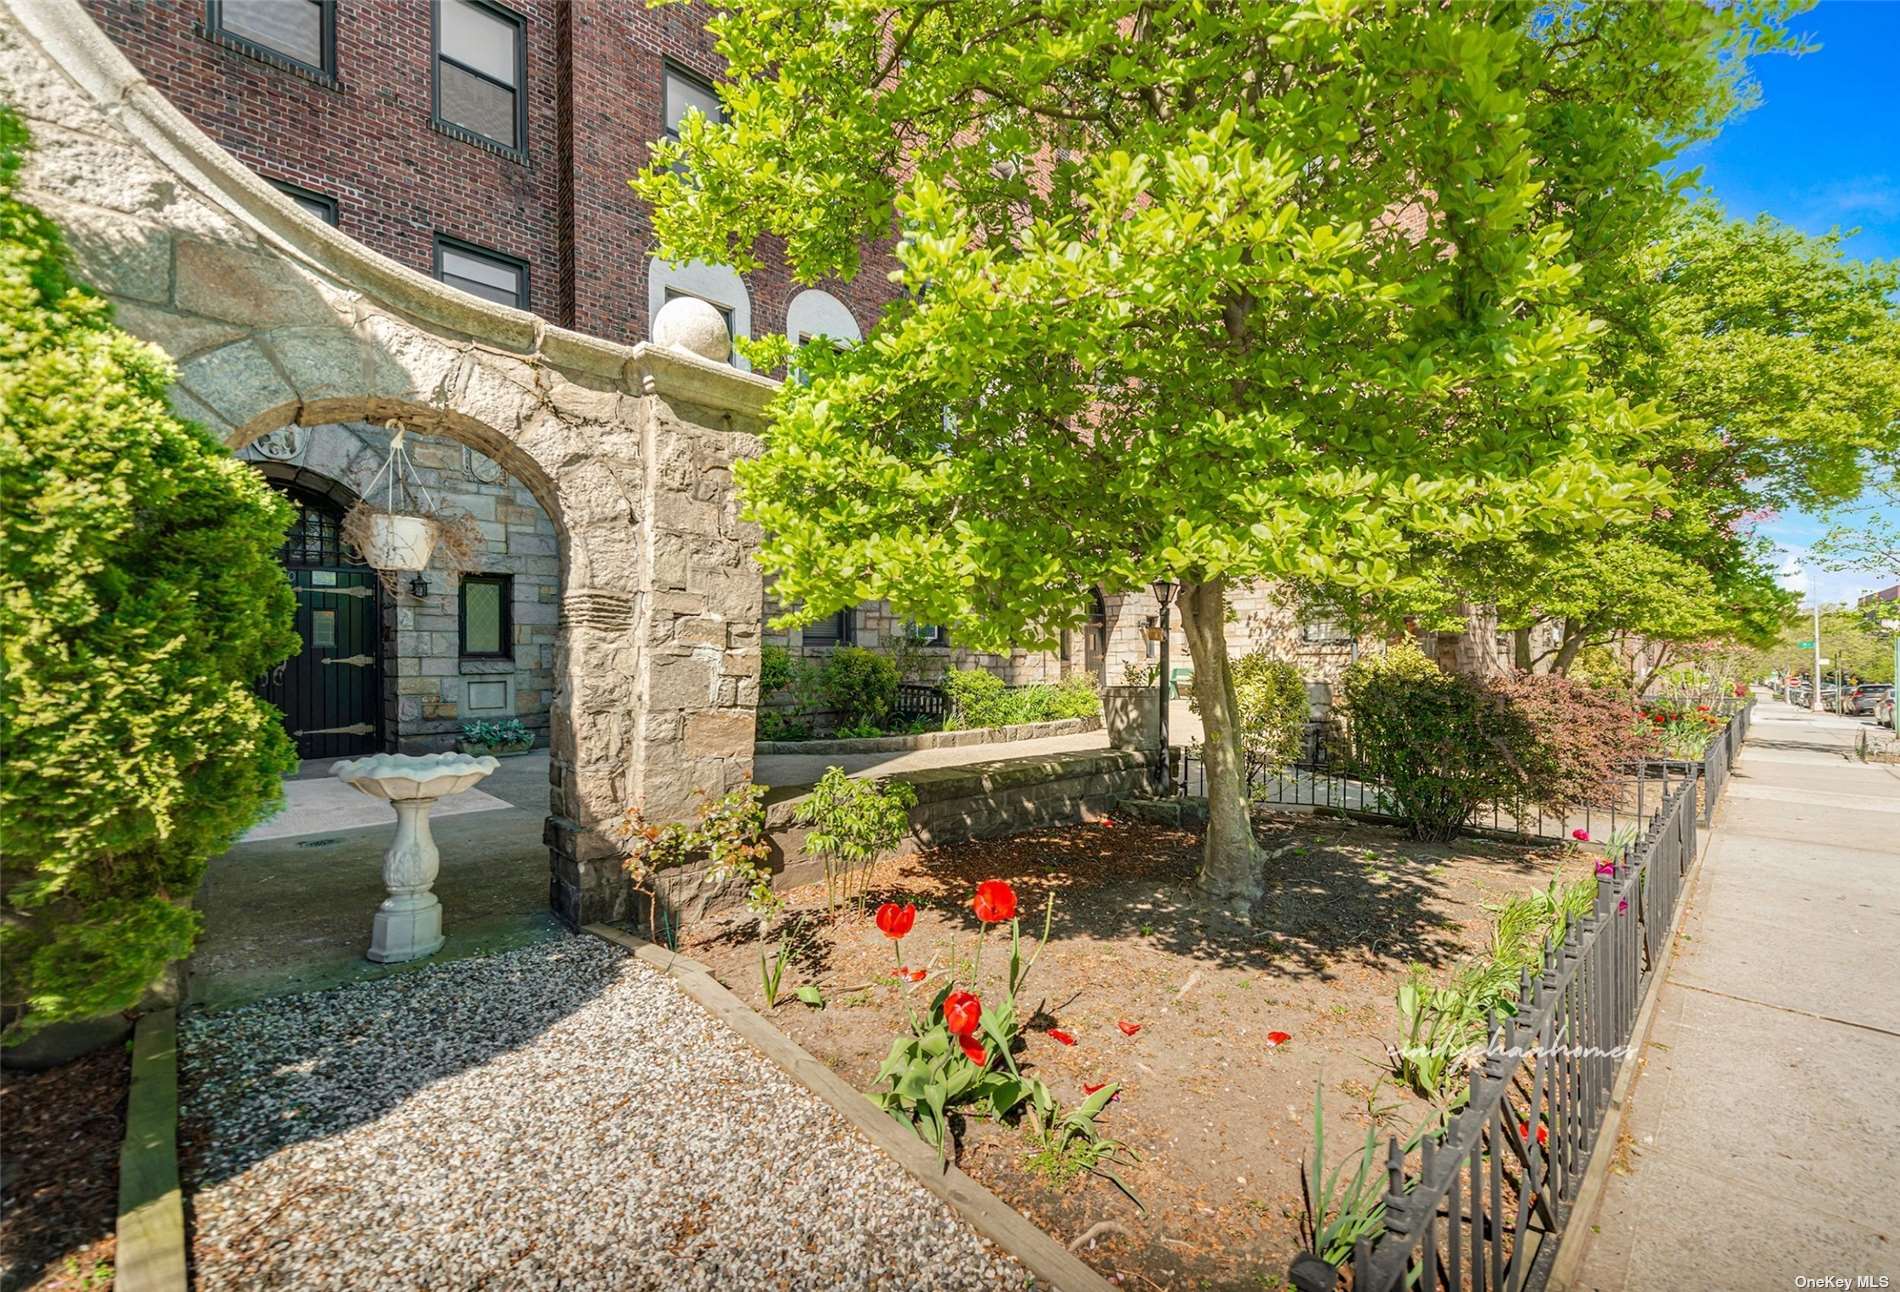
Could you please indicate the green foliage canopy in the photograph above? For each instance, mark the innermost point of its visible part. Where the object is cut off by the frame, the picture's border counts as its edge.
(1210, 291)
(140, 599)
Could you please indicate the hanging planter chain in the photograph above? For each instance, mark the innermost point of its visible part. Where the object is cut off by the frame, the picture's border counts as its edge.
(401, 473)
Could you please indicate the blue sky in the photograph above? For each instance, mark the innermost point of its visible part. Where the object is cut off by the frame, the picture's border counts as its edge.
(1822, 150)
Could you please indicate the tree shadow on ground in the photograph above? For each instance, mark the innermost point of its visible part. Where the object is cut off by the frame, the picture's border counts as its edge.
(1335, 892)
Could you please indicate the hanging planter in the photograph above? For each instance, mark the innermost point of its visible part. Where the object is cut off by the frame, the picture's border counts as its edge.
(398, 528)
(397, 541)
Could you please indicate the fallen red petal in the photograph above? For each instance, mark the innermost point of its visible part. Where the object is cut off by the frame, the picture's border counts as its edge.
(1087, 1089)
(1062, 1036)
(1279, 1038)
(1128, 1028)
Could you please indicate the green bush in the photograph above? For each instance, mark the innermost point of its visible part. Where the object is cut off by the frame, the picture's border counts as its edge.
(775, 670)
(1438, 739)
(1272, 715)
(1448, 743)
(141, 599)
(979, 698)
(861, 687)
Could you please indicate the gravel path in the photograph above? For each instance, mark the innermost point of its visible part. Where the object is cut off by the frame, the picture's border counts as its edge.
(556, 1117)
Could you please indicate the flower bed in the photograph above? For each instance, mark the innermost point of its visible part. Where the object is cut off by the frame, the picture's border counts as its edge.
(1201, 1038)
(1683, 728)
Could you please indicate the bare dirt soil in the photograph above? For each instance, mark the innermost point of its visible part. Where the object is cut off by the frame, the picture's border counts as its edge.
(64, 1129)
(1216, 1117)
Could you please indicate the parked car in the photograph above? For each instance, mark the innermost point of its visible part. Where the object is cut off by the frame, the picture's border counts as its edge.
(1883, 709)
(1863, 698)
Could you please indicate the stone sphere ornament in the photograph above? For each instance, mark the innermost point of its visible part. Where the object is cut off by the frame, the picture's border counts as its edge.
(690, 324)
(408, 925)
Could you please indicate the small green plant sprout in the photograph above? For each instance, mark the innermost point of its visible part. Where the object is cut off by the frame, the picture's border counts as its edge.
(772, 971)
(1339, 1214)
(853, 822)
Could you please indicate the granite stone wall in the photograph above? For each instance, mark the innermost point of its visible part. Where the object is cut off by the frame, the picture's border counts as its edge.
(430, 688)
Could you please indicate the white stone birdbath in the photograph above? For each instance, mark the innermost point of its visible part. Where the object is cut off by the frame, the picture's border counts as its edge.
(409, 922)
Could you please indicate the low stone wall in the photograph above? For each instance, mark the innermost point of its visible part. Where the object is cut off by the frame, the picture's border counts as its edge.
(971, 801)
(932, 739)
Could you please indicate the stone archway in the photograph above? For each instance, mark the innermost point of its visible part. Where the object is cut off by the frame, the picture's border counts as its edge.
(276, 319)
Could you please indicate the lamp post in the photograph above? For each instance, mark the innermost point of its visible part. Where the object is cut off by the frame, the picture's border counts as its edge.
(1164, 591)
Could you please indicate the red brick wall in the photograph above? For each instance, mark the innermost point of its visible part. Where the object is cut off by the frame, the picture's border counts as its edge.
(594, 95)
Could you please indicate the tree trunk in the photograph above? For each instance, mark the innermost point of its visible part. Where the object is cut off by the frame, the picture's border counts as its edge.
(1521, 649)
(1575, 635)
(1230, 857)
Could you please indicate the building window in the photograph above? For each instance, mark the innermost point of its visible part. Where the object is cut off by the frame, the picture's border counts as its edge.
(318, 204)
(1323, 632)
(928, 634)
(688, 93)
(481, 60)
(488, 274)
(833, 630)
(487, 618)
(302, 32)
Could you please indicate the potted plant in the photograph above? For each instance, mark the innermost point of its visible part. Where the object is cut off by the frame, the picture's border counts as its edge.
(397, 527)
(500, 739)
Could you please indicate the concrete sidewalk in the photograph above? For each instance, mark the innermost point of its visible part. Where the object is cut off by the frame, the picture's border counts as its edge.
(1759, 1142)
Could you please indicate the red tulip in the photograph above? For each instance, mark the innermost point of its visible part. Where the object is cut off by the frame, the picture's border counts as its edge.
(1128, 1028)
(894, 921)
(1606, 868)
(1623, 906)
(1543, 1133)
(994, 902)
(1107, 823)
(961, 1013)
(1580, 835)
(973, 1052)
(1278, 1038)
(1062, 1036)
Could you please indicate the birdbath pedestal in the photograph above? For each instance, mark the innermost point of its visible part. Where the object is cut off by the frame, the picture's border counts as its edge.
(409, 922)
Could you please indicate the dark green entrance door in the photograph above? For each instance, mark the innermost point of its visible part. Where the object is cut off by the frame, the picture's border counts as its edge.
(331, 690)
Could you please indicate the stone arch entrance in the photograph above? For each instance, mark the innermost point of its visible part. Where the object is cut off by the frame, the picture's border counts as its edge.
(275, 320)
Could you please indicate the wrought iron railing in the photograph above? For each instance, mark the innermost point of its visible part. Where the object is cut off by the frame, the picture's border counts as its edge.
(1481, 1203)
(1328, 776)
(918, 701)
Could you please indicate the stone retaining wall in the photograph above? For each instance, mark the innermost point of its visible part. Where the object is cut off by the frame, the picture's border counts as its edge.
(970, 801)
(933, 739)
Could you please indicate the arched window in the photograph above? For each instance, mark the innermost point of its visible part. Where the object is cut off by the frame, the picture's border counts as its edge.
(315, 537)
(814, 314)
(718, 285)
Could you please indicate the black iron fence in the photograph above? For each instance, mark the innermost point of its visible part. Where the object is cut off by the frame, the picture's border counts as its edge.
(917, 701)
(1481, 1202)
(1328, 775)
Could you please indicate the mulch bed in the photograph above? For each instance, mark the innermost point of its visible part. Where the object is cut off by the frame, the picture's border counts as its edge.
(64, 1129)
(1216, 1116)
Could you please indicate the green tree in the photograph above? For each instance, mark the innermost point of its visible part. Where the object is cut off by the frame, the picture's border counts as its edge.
(1777, 359)
(1212, 292)
(139, 600)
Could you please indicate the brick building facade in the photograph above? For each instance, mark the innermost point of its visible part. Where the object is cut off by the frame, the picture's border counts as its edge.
(490, 145)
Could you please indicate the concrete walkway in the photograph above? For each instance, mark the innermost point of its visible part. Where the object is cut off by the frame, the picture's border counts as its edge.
(1760, 1142)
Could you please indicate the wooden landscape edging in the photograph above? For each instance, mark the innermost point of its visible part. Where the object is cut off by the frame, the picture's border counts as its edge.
(151, 1230)
(1045, 1258)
